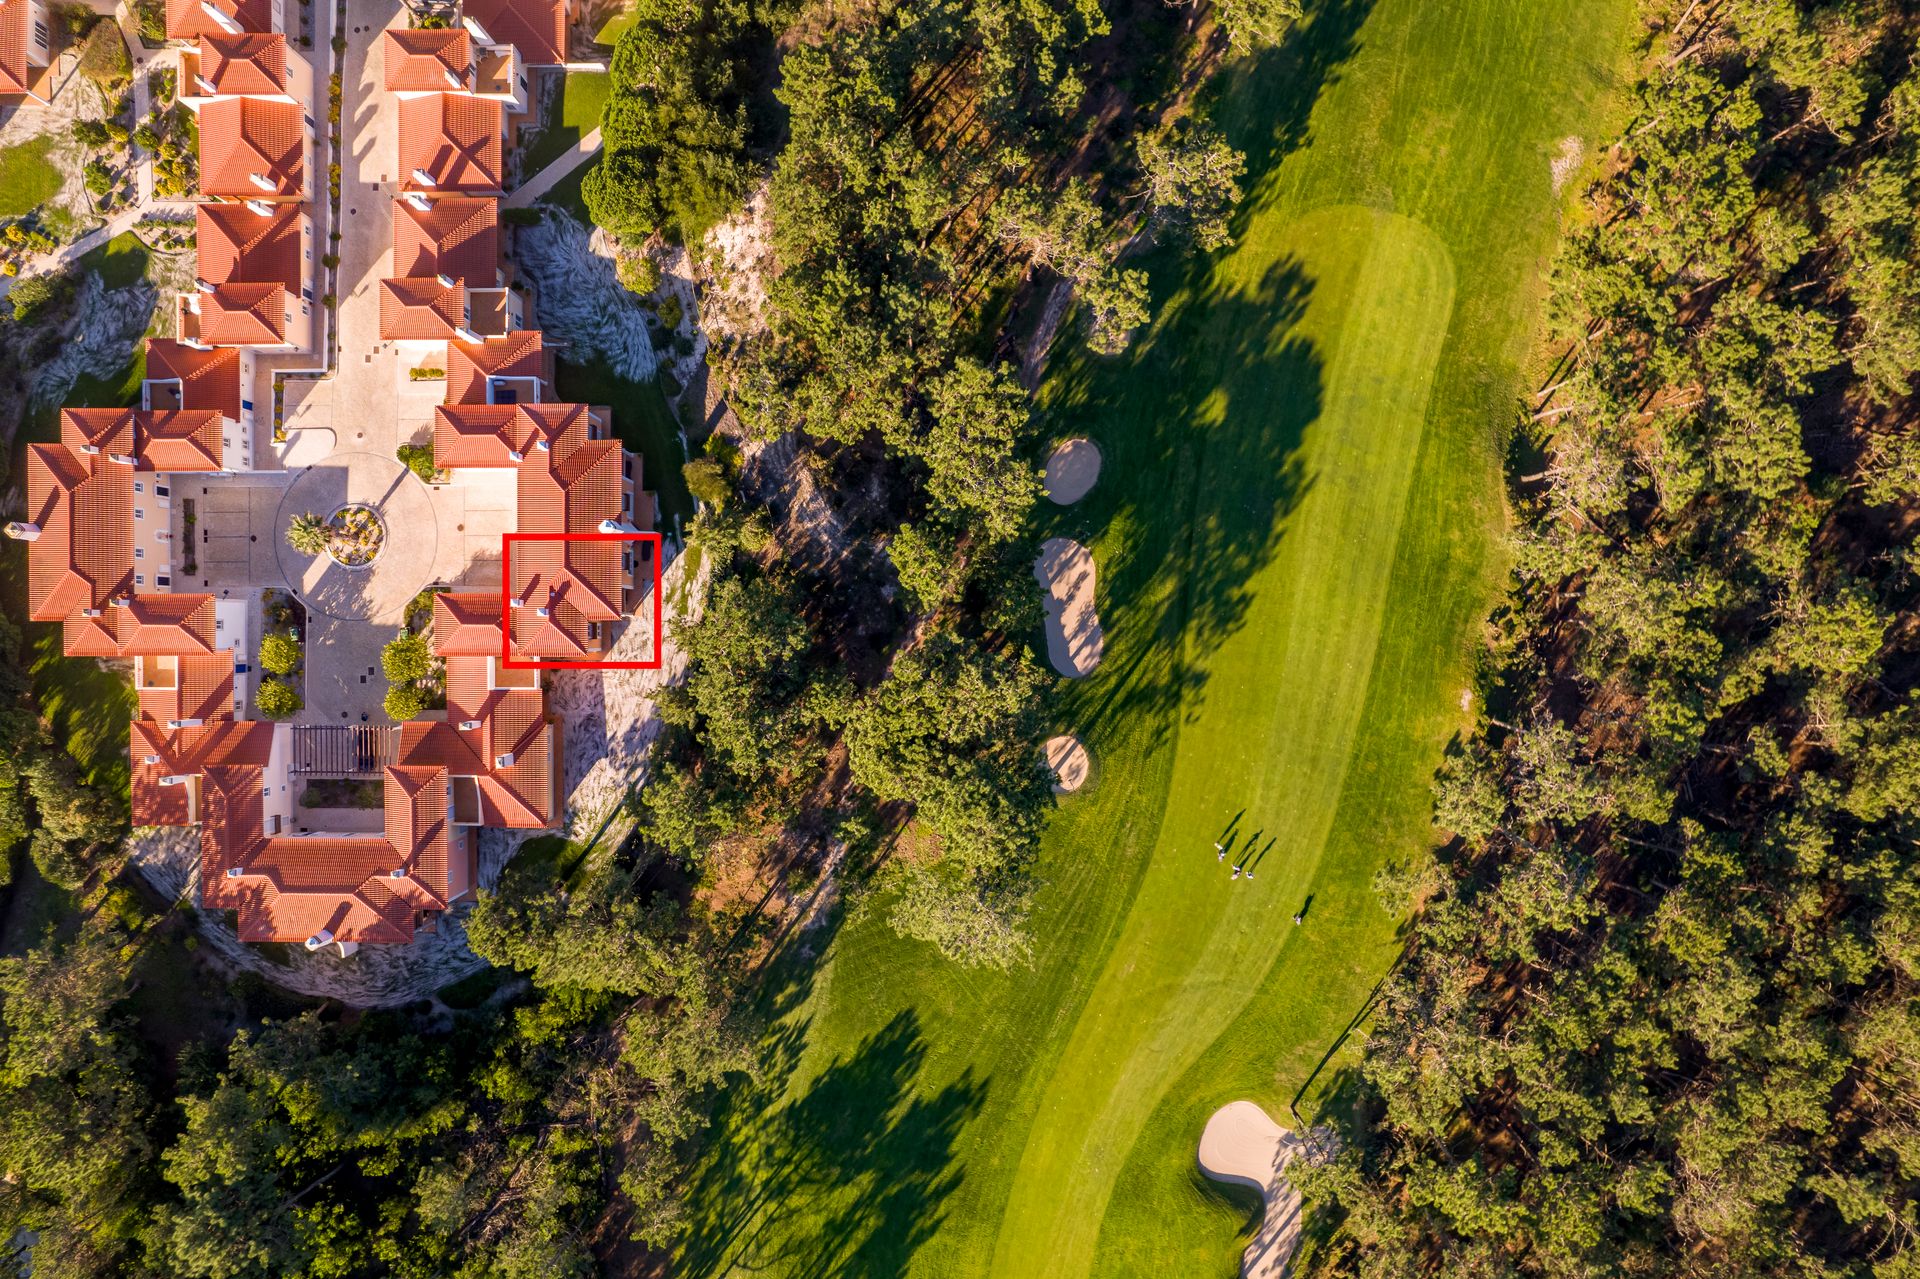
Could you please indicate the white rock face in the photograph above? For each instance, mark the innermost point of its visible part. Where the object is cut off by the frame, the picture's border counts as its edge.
(581, 300)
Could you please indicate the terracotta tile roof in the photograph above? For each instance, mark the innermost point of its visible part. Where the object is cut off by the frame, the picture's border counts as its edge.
(457, 236)
(202, 689)
(512, 754)
(209, 379)
(244, 137)
(16, 36)
(244, 63)
(244, 315)
(491, 434)
(424, 60)
(221, 754)
(238, 246)
(466, 623)
(295, 887)
(145, 626)
(418, 827)
(187, 19)
(83, 556)
(454, 139)
(537, 28)
(421, 308)
(516, 355)
(179, 439)
(101, 431)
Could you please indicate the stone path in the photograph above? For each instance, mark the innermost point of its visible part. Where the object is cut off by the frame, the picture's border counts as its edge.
(548, 178)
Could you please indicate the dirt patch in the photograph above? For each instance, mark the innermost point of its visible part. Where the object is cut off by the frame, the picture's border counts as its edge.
(1071, 471)
(1074, 640)
(1567, 162)
(1067, 757)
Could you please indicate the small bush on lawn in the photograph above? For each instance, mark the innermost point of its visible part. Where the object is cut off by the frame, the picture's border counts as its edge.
(404, 702)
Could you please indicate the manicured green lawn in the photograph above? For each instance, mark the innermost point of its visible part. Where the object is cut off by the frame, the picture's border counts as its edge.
(120, 261)
(27, 178)
(643, 420)
(575, 113)
(1296, 534)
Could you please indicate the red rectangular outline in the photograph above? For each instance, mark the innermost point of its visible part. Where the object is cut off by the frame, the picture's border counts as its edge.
(506, 611)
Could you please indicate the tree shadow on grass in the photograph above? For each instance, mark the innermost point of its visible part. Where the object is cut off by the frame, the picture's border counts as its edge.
(843, 1180)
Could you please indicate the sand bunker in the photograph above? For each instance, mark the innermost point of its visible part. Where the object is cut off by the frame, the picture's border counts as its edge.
(1074, 641)
(1243, 1146)
(1071, 471)
(1068, 759)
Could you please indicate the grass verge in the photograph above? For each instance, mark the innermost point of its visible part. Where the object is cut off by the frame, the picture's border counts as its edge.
(28, 179)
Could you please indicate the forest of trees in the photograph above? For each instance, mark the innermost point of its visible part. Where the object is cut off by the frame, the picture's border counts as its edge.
(159, 1118)
(1658, 1015)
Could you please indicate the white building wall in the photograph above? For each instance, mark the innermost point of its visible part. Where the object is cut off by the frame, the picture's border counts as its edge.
(152, 531)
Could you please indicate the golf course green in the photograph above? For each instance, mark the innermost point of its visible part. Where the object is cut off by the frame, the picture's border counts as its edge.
(1296, 527)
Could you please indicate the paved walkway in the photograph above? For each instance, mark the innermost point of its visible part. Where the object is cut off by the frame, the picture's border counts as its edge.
(544, 181)
(119, 223)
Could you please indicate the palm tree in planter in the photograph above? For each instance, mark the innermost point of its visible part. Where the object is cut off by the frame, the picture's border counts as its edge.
(308, 534)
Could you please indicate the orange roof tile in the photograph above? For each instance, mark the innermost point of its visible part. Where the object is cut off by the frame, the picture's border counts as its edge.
(187, 19)
(456, 236)
(492, 434)
(516, 355)
(427, 61)
(466, 623)
(209, 379)
(244, 315)
(454, 139)
(245, 138)
(202, 689)
(418, 827)
(422, 309)
(16, 36)
(537, 28)
(221, 754)
(243, 63)
(179, 439)
(98, 431)
(83, 554)
(239, 246)
(146, 625)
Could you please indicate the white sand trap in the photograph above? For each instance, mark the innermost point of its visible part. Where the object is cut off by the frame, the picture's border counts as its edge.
(1068, 759)
(1243, 1146)
(1071, 471)
(1074, 641)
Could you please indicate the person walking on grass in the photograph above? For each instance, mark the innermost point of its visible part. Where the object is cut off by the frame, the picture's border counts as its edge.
(1219, 851)
(1236, 872)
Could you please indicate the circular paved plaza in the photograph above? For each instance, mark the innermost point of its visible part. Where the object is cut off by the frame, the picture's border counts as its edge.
(378, 591)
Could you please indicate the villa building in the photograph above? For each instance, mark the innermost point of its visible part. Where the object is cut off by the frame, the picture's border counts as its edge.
(26, 52)
(102, 517)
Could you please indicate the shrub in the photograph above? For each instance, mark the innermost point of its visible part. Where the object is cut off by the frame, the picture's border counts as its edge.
(117, 132)
(425, 375)
(671, 312)
(277, 699)
(707, 480)
(309, 534)
(406, 659)
(147, 137)
(99, 178)
(279, 653)
(404, 702)
(638, 273)
(417, 458)
(36, 292)
(521, 217)
(103, 58)
(92, 133)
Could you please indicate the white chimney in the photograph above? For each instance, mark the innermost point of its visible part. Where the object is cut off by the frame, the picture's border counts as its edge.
(123, 459)
(503, 761)
(419, 202)
(91, 450)
(203, 286)
(89, 612)
(423, 178)
(515, 454)
(185, 723)
(21, 532)
(453, 79)
(398, 872)
(541, 611)
(468, 725)
(446, 281)
(518, 601)
(543, 444)
(176, 779)
(206, 85)
(121, 601)
(320, 939)
(149, 760)
(262, 181)
(234, 872)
